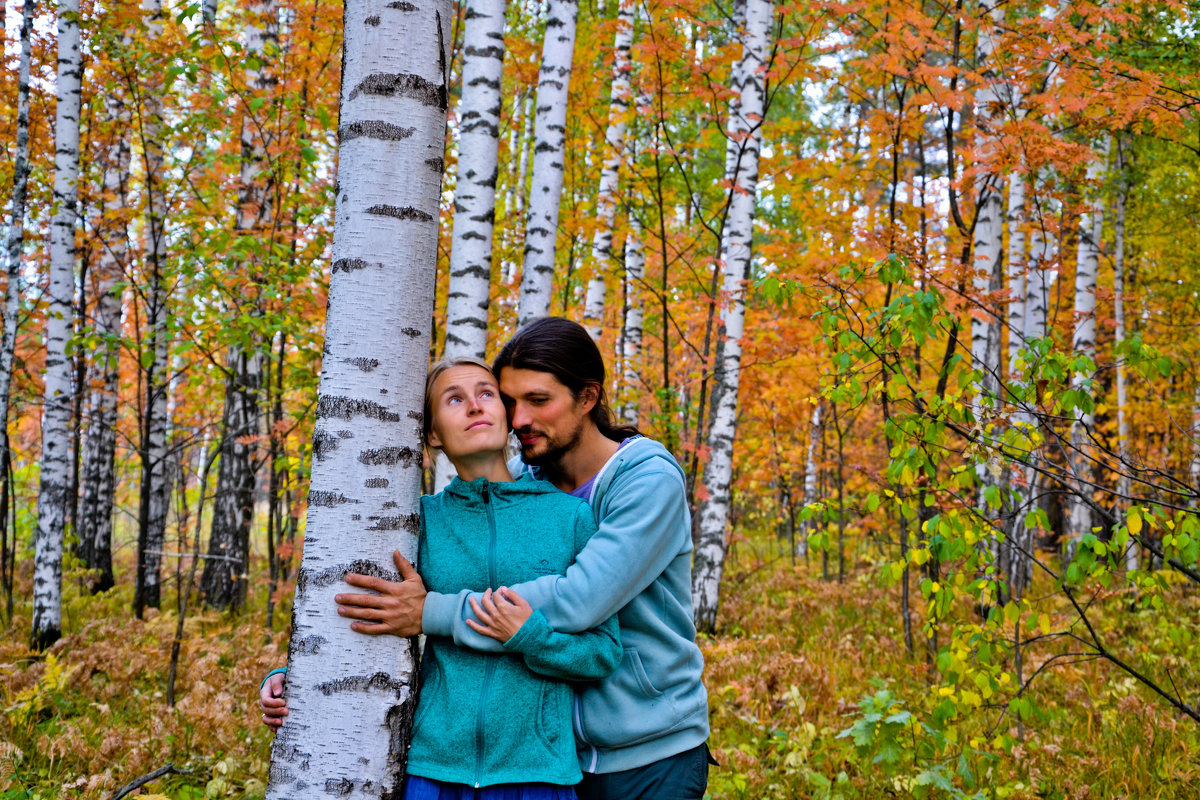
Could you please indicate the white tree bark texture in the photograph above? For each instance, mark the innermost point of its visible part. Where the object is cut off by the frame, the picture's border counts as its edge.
(223, 581)
(713, 513)
(1087, 265)
(475, 187)
(15, 236)
(1124, 483)
(633, 324)
(811, 475)
(549, 136)
(55, 481)
(99, 451)
(351, 696)
(614, 150)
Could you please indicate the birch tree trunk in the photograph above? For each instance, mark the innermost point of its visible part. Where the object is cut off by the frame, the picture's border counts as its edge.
(95, 520)
(475, 189)
(1084, 343)
(351, 696)
(614, 143)
(13, 241)
(60, 310)
(152, 500)
(632, 327)
(1124, 488)
(810, 479)
(223, 581)
(713, 513)
(549, 137)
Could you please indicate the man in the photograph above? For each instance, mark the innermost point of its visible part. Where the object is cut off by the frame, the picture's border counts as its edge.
(641, 733)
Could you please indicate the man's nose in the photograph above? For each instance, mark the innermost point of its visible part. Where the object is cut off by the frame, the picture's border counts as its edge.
(518, 416)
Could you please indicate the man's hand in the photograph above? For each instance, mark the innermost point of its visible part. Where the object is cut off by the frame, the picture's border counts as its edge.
(270, 700)
(397, 607)
(501, 614)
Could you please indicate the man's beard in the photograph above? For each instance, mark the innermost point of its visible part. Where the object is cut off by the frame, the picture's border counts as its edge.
(555, 449)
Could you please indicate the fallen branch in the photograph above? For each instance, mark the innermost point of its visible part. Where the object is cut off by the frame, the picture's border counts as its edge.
(149, 776)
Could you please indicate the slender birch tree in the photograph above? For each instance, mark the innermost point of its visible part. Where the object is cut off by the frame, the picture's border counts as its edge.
(1087, 266)
(614, 144)
(54, 488)
(13, 241)
(223, 581)
(713, 512)
(1124, 483)
(632, 325)
(475, 185)
(352, 696)
(95, 520)
(549, 151)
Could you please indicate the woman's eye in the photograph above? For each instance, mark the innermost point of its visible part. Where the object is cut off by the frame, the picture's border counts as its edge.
(453, 400)
(487, 394)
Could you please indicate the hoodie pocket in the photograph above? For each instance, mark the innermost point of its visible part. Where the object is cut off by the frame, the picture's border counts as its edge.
(626, 708)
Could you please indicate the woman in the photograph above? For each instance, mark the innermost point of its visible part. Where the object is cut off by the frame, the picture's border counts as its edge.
(496, 722)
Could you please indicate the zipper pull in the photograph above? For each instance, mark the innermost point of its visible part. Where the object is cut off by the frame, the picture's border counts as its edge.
(486, 493)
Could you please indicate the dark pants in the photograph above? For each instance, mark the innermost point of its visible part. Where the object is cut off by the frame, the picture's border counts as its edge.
(678, 777)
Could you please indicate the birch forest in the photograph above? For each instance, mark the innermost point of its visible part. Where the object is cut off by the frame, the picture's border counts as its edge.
(910, 290)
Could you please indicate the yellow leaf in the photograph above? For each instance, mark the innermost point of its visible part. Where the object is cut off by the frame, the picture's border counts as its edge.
(1135, 522)
(1044, 623)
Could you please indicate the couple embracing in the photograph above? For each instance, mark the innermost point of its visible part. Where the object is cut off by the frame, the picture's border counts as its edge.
(554, 592)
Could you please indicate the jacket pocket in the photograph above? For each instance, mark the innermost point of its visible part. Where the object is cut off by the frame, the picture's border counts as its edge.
(626, 708)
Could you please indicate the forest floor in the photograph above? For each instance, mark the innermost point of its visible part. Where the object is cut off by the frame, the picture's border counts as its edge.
(787, 673)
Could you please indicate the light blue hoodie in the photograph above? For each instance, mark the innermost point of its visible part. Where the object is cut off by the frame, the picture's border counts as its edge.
(637, 565)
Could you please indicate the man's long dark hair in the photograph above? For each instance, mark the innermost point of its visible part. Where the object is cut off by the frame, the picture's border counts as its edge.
(564, 349)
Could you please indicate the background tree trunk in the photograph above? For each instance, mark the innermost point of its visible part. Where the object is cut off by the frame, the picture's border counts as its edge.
(56, 416)
(713, 512)
(352, 696)
(549, 143)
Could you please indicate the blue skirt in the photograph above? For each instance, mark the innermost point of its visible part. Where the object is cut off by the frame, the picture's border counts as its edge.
(418, 788)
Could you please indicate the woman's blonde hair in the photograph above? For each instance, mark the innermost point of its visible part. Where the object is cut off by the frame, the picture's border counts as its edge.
(435, 372)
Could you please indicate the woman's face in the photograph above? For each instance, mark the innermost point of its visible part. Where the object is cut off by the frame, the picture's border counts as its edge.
(468, 415)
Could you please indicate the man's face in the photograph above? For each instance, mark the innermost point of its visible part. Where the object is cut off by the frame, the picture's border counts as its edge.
(547, 420)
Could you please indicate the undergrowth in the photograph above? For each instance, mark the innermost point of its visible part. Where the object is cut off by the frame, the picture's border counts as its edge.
(812, 691)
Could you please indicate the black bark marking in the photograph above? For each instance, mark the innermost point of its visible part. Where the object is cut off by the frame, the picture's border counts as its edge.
(345, 434)
(375, 129)
(390, 504)
(351, 264)
(435, 164)
(390, 456)
(417, 415)
(349, 407)
(328, 499)
(403, 84)
(361, 683)
(403, 5)
(405, 522)
(308, 645)
(376, 483)
(323, 445)
(336, 574)
(372, 21)
(410, 332)
(365, 364)
(400, 212)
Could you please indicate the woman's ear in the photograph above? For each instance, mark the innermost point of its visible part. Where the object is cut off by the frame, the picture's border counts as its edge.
(433, 440)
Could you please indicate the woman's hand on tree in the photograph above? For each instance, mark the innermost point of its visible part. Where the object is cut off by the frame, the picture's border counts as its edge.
(501, 614)
(397, 607)
(270, 700)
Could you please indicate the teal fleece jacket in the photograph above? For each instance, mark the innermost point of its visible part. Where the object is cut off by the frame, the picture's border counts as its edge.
(638, 565)
(487, 718)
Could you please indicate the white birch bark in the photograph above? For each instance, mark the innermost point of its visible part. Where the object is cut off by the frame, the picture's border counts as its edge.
(475, 188)
(1017, 268)
(95, 518)
(54, 489)
(1084, 343)
(152, 501)
(549, 152)
(1124, 487)
(713, 513)
(614, 144)
(15, 236)
(223, 581)
(632, 327)
(351, 696)
(811, 476)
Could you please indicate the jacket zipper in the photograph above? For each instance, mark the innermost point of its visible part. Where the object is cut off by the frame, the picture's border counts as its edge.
(577, 708)
(481, 716)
